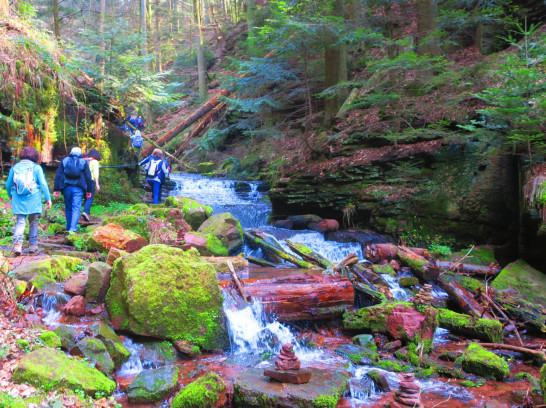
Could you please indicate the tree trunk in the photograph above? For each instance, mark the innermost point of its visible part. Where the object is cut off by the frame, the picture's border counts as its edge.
(102, 44)
(427, 12)
(199, 43)
(190, 120)
(302, 297)
(143, 30)
(56, 24)
(335, 66)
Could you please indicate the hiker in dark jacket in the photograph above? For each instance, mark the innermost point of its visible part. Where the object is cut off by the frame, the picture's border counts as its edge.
(73, 178)
(155, 168)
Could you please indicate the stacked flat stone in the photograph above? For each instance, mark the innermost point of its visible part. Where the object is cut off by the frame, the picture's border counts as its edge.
(407, 394)
(424, 297)
(287, 359)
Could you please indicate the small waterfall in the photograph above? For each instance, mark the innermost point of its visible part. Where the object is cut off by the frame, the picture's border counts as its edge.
(134, 365)
(52, 303)
(398, 292)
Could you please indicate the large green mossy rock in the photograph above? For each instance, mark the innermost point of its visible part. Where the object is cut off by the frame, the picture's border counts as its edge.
(52, 369)
(484, 329)
(135, 223)
(50, 339)
(118, 352)
(479, 361)
(43, 271)
(253, 389)
(68, 336)
(521, 289)
(94, 351)
(166, 292)
(543, 381)
(226, 228)
(195, 213)
(153, 385)
(206, 392)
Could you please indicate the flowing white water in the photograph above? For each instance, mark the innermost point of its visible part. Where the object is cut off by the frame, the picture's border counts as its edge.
(52, 304)
(134, 365)
(397, 291)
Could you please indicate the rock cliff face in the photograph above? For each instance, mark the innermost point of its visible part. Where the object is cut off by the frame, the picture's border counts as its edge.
(461, 187)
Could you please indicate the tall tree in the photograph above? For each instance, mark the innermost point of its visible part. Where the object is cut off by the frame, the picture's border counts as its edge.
(199, 43)
(56, 21)
(427, 13)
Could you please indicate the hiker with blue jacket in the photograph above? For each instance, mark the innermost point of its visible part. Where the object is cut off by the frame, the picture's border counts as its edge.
(73, 178)
(155, 169)
(25, 186)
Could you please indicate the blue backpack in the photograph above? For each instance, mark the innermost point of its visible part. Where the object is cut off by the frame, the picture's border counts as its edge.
(137, 141)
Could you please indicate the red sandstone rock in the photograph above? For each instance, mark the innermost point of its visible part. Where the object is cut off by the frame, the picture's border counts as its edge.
(113, 254)
(113, 236)
(76, 306)
(76, 284)
(289, 376)
(326, 225)
(406, 322)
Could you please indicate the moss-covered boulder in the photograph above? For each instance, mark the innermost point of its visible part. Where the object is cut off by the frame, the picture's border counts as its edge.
(206, 244)
(399, 319)
(206, 167)
(47, 270)
(195, 213)
(357, 354)
(112, 235)
(118, 352)
(135, 223)
(520, 289)
(166, 292)
(153, 385)
(226, 228)
(468, 326)
(208, 391)
(50, 339)
(68, 336)
(98, 281)
(479, 361)
(52, 369)
(94, 351)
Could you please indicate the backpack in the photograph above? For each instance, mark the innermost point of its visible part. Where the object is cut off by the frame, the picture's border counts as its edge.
(24, 180)
(137, 141)
(73, 169)
(140, 123)
(154, 168)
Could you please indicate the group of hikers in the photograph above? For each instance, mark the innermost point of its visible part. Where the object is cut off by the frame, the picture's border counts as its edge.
(77, 176)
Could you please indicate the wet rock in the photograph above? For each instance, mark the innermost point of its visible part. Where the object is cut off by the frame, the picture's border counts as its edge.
(94, 351)
(226, 228)
(326, 225)
(406, 282)
(112, 235)
(479, 361)
(290, 376)
(76, 306)
(52, 369)
(363, 237)
(50, 339)
(207, 391)
(185, 347)
(194, 212)
(364, 340)
(393, 345)
(113, 254)
(174, 294)
(399, 319)
(287, 224)
(468, 326)
(356, 354)
(98, 281)
(153, 385)
(208, 167)
(303, 221)
(68, 336)
(543, 381)
(76, 284)
(253, 389)
(41, 272)
(118, 352)
(380, 380)
(206, 244)
(242, 187)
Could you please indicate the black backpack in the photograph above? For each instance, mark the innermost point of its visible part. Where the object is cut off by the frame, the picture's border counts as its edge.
(73, 169)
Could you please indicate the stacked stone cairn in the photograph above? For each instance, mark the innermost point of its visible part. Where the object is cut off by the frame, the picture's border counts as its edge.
(407, 394)
(288, 368)
(424, 297)
(287, 359)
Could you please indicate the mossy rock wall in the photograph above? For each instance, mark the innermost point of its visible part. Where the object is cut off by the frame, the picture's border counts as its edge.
(457, 187)
(166, 292)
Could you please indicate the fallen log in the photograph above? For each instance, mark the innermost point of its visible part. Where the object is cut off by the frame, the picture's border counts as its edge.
(481, 270)
(302, 297)
(190, 120)
(309, 255)
(261, 242)
(424, 269)
(377, 253)
(237, 281)
(464, 299)
(261, 262)
(539, 354)
(470, 327)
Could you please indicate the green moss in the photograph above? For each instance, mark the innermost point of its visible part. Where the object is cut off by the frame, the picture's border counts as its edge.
(50, 339)
(135, 223)
(325, 401)
(408, 281)
(385, 268)
(24, 344)
(202, 393)
(479, 361)
(484, 329)
(45, 271)
(543, 381)
(471, 384)
(7, 401)
(138, 209)
(393, 366)
(215, 246)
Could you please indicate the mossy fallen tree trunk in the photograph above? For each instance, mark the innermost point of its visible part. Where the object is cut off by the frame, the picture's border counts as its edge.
(467, 326)
(424, 269)
(309, 255)
(261, 242)
(464, 299)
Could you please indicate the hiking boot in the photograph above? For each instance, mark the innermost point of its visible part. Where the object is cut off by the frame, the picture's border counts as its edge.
(17, 249)
(32, 248)
(86, 217)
